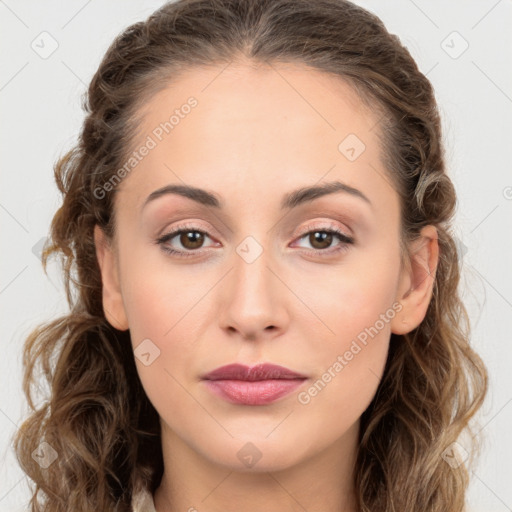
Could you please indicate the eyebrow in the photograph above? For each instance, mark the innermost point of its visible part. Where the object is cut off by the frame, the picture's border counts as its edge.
(290, 200)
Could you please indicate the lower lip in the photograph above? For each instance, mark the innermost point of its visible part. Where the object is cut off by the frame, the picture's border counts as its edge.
(258, 392)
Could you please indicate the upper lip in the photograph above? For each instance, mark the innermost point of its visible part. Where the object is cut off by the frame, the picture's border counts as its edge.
(259, 372)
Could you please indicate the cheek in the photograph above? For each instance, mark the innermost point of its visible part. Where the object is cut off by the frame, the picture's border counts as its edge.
(161, 302)
(158, 296)
(340, 394)
(160, 307)
(348, 368)
(356, 309)
(352, 296)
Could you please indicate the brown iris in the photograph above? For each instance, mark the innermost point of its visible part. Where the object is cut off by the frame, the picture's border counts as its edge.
(194, 238)
(324, 238)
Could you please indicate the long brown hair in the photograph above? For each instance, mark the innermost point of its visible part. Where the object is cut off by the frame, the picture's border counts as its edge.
(104, 431)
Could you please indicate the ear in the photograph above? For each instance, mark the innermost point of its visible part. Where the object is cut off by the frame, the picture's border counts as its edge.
(416, 282)
(112, 299)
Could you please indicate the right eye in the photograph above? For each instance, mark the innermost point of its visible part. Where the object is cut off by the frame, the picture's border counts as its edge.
(191, 239)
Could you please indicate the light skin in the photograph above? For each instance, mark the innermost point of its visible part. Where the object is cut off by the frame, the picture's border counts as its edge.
(257, 134)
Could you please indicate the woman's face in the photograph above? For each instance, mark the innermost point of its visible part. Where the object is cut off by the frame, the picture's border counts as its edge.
(259, 274)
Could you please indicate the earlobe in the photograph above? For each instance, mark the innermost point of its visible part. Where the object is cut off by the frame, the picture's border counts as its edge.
(417, 282)
(113, 305)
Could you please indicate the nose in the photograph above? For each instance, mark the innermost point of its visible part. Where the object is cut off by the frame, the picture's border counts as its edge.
(254, 298)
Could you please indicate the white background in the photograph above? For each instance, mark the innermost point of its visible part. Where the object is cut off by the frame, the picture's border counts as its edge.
(41, 116)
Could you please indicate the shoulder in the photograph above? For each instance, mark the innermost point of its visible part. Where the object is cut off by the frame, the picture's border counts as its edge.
(143, 502)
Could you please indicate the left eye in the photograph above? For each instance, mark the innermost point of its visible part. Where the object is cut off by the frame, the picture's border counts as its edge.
(322, 239)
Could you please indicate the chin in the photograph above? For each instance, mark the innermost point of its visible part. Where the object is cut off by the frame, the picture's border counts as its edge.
(252, 454)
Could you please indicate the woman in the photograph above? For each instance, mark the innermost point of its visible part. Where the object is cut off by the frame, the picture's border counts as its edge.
(264, 315)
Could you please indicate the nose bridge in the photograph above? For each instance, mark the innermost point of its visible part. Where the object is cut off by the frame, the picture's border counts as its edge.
(253, 281)
(253, 300)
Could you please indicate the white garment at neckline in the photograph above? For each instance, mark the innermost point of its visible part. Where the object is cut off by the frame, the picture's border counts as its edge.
(143, 502)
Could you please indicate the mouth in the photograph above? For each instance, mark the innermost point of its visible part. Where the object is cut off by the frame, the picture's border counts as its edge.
(258, 385)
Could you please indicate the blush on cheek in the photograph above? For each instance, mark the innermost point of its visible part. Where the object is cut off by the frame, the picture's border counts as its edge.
(153, 304)
(350, 378)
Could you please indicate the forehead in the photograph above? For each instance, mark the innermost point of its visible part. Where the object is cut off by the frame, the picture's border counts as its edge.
(251, 127)
(242, 93)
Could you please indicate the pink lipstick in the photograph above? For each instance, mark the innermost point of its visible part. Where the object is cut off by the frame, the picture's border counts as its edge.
(258, 385)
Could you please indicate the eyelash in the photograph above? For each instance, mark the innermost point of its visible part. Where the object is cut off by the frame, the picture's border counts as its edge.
(332, 229)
